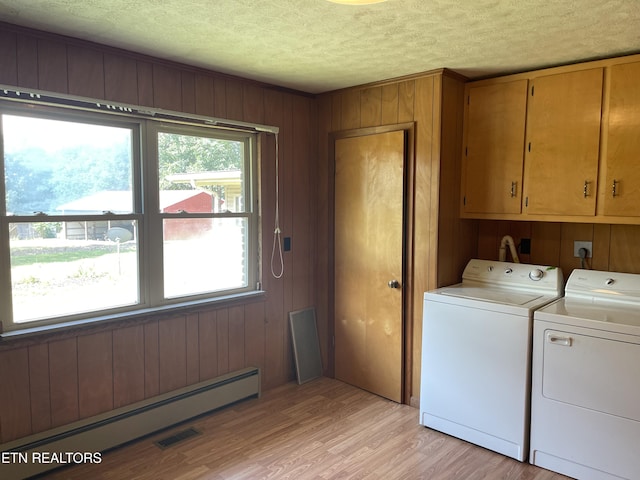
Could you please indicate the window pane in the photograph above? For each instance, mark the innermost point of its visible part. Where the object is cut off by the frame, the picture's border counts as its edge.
(204, 164)
(52, 276)
(64, 167)
(204, 255)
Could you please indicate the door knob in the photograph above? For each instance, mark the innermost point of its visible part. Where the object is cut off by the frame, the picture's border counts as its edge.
(393, 284)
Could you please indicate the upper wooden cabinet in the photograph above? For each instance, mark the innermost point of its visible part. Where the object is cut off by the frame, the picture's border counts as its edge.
(493, 147)
(621, 189)
(563, 139)
(580, 159)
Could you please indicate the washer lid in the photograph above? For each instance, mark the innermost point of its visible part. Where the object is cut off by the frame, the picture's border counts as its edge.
(495, 295)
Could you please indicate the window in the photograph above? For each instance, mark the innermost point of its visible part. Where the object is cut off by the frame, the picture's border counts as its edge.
(105, 214)
(205, 209)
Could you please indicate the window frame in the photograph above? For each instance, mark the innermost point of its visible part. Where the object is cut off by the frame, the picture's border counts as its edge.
(146, 213)
(155, 232)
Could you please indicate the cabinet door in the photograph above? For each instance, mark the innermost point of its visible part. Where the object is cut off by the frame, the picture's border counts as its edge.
(563, 138)
(622, 163)
(494, 146)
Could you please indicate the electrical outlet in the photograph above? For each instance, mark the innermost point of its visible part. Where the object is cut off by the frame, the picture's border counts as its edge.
(578, 245)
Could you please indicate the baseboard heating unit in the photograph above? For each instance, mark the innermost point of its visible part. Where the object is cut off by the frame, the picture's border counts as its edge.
(33, 455)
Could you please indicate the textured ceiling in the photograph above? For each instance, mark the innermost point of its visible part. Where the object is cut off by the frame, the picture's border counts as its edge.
(317, 46)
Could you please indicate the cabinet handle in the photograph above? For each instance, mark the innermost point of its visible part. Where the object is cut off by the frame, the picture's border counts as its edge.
(585, 191)
(614, 188)
(513, 189)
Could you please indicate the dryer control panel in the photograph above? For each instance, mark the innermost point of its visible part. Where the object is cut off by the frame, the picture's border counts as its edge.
(599, 285)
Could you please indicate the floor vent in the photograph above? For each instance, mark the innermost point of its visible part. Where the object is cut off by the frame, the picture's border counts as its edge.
(177, 437)
(117, 427)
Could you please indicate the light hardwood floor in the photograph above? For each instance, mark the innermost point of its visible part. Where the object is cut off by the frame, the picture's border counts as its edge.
(324, 429)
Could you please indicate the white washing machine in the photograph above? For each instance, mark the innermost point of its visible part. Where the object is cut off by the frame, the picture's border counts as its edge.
(476, 353)
(585, 399)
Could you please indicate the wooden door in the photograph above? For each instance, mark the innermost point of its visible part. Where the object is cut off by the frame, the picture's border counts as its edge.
(563, 138)
(493, 155)
(622, 187)
(369, 224)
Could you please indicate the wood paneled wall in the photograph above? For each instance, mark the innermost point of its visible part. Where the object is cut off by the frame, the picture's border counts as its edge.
(615, 247)
(51, 380)
(440, 243)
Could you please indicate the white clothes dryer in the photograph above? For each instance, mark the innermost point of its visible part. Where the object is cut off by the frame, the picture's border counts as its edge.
(585, 418)
(476, 351)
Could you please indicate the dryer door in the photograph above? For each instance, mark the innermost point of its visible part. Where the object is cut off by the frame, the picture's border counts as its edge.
(593, 372)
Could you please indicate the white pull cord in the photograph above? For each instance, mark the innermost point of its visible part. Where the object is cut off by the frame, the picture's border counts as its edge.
(276, 229)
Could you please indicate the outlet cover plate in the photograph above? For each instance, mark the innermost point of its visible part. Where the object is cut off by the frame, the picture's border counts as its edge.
(578, 245)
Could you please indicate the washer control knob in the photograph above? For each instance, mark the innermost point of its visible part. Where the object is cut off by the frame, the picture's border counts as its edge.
(609, 281)
(508, 271)
(536, 274)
